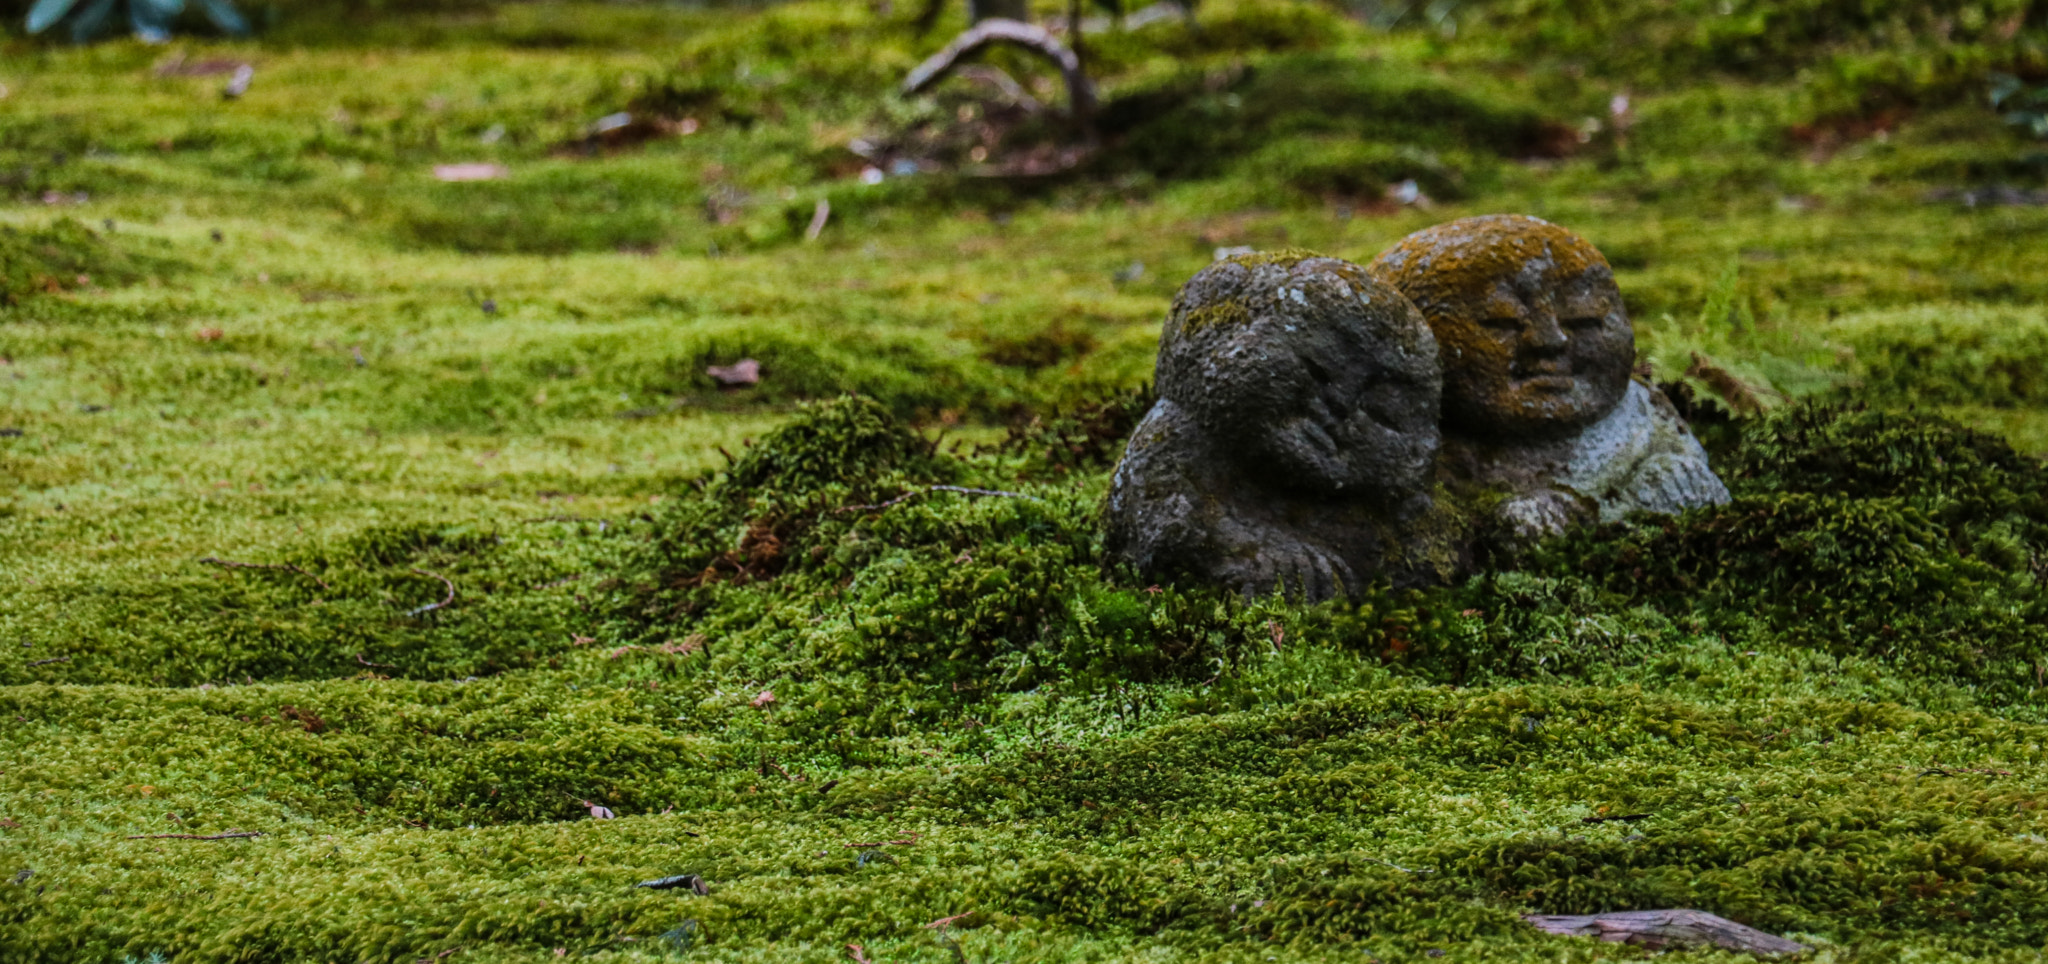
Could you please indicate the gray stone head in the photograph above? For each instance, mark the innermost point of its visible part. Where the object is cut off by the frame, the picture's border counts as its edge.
(1307, 372)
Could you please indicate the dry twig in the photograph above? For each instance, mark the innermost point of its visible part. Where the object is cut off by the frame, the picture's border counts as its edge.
(46, 662)
(995, 30)
(229, 835)
(1624, 818)
(287, 567)
(913, 493)
(1398, 867)
(433, 606)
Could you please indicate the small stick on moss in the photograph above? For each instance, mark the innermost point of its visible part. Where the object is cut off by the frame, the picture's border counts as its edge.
(859, 957)
(943, 921)
(365, 662)
(433, 606)
(936, 488)
(231, 564)
(1398, 867)
(230, 835)
(46, 662)
(1625, 817)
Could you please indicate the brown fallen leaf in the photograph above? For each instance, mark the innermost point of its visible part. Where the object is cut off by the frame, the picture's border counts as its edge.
(208, 334)
(1667, 928)
(746, 371)
(469, 172)
(1738, 395)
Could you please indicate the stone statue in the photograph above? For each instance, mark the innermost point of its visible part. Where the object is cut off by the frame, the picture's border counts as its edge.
(1321, 426)
(1294, 436)
(1539, 405)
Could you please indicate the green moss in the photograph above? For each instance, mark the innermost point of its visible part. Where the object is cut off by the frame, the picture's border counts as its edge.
(1227, 313)
(1847, 750)
(66, 256)
(1949, 354)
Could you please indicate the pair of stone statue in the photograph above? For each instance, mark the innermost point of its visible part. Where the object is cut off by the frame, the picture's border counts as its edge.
(1322, 426)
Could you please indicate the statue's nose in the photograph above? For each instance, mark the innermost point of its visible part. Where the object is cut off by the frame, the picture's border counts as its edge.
(1543, 333)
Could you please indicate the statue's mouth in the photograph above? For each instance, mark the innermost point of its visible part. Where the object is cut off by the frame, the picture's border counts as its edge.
(1547, 377)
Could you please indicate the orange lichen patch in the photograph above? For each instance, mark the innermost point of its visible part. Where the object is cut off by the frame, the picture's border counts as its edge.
(1529, 323)
(1450, 260)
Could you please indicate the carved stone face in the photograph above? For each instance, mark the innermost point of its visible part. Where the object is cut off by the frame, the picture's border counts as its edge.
(1307, 373)
(1529, 323)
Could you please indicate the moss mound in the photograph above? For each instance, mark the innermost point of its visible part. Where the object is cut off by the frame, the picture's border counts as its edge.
(1906, 539)
(1923, 46)
(66, 256)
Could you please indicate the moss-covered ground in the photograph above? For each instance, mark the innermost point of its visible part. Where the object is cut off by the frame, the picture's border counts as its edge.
(270, 392)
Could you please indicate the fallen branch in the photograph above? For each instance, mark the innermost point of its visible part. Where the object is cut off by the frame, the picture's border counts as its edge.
(1002, 81)
(1624, 818)
(819, 215)
(433, 606)
(230, 835)
(1389, 863)
(690, 882)
(1666, 928)
(231, 564)
(995, 30)
(913, 493)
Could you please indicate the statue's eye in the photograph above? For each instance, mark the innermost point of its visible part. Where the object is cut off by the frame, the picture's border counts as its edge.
(1503, 323)
(1587, 323)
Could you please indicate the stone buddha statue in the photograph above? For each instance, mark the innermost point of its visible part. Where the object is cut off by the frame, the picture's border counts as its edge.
(1322, 426)
(1539, 406)
(1294, 437)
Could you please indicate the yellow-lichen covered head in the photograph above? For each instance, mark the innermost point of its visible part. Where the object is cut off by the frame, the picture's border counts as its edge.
(1528, 321)
(1306, 372)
